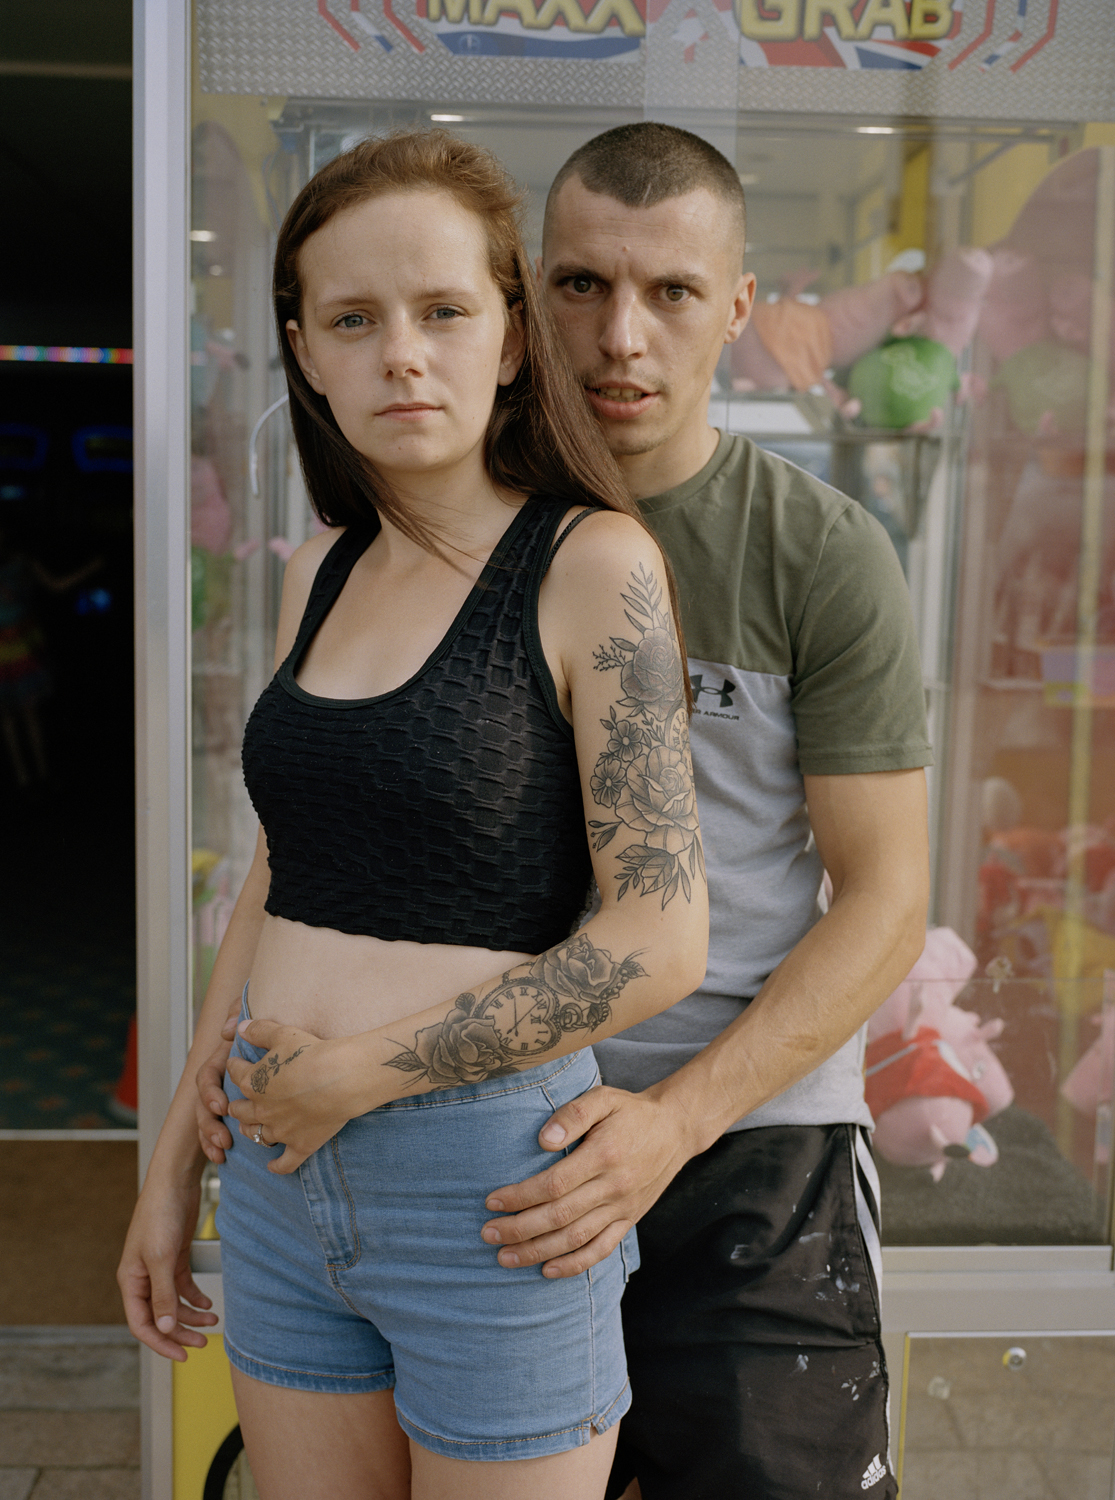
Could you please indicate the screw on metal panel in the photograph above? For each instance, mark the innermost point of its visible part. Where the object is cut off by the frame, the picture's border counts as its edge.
(939, 1388)
(1014, 1359)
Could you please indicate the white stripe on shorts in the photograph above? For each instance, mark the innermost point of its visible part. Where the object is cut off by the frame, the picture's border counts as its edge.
(867, 1206)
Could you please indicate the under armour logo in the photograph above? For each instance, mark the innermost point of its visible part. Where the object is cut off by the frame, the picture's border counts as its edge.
(723, 692)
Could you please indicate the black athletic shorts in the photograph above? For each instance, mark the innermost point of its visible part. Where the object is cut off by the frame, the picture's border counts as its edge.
(752, 1327)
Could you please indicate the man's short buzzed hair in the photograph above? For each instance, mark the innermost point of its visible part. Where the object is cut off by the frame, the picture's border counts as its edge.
(644, 164)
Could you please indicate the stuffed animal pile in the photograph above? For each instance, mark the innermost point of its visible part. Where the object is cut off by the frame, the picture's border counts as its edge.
(1029, 299)
(931, 1075)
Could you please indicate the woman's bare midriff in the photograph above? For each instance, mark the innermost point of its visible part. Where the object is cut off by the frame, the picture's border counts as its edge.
(340, 983)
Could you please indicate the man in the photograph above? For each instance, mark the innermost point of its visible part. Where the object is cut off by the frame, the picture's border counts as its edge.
(732, 1128)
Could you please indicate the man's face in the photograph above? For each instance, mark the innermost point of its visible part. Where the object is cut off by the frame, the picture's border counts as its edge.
(645, 300)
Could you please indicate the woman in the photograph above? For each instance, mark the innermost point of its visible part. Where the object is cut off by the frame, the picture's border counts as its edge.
(482, 658)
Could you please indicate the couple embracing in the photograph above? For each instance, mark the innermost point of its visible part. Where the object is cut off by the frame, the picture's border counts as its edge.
(474, 1043)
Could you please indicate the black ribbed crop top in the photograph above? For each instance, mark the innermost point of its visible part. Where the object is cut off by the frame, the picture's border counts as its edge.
(448, 810)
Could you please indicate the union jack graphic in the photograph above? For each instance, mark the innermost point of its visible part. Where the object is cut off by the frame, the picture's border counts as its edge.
(359, 21)
(1012, 41)
(689, 34)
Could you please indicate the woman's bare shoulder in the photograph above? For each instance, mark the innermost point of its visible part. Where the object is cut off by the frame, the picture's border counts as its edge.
(298, 580)
(306, 559)
(605, 547)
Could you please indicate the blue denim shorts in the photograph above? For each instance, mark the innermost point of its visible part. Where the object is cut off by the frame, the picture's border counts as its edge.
(365, 1271)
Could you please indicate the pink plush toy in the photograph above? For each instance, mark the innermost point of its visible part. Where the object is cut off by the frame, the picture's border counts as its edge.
(789, 344)
(210, 516)
(954, 294)
(1090, 1084)
(1015, 310)
(931, 1076)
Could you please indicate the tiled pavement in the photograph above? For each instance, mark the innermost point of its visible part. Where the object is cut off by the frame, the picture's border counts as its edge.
(69, 1414)
(69, 1418)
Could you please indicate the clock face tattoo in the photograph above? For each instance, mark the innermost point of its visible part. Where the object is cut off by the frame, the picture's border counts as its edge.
(568, 989)
(521, 1014)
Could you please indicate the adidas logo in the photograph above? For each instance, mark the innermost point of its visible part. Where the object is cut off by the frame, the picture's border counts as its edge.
(873, 1473)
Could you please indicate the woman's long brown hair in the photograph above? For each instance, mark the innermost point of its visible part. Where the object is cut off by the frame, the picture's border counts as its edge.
(541, 436)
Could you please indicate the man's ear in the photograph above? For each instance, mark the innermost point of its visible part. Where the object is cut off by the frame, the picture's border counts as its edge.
(514, 345)
(302, 355)
(741, 307)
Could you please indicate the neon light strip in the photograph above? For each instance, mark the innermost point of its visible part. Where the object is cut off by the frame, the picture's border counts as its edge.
(64, 354)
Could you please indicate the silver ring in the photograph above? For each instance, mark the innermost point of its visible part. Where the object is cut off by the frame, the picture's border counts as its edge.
(258, 1137)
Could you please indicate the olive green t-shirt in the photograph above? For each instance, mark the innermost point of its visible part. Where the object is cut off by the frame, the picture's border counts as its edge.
(803, 659)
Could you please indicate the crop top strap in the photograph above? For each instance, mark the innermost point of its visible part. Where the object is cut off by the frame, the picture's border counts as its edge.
(329, 580)
(589, 510)
(531, 636)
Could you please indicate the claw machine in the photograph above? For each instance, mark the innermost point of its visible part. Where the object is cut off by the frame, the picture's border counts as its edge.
(931, 192)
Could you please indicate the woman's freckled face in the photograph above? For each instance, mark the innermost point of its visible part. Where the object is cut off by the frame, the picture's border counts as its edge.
(405, 332)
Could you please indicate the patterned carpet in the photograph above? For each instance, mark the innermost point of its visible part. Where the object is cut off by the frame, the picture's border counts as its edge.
(64, 1013)
(67, 936)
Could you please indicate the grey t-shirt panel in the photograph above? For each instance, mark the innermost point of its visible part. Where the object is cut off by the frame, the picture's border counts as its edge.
(802, 656)
(831, 1095)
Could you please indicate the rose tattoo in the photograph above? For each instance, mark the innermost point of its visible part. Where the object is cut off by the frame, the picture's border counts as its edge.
(265, 1070)
(567, 989)
(644, 777)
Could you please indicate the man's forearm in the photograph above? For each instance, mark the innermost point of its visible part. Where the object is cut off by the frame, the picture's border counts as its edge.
(817, 997)
(870, 831)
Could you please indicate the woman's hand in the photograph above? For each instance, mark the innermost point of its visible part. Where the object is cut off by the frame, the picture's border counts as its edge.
(164, 1306)
(299, 1094)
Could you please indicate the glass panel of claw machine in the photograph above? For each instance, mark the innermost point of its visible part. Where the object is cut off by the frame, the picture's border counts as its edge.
(931, 229)
(933, 336)
(989, 1070)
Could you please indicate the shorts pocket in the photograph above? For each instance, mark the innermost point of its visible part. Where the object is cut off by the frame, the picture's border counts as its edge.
(578, 1077)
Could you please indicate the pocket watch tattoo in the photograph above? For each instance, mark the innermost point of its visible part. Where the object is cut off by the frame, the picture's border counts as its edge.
(567, 989)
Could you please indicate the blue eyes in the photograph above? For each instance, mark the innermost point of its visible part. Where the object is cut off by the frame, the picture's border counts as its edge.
(350, 322)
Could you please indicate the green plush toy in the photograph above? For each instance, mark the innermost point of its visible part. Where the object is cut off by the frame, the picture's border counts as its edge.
(901, 382)
(1046, 377)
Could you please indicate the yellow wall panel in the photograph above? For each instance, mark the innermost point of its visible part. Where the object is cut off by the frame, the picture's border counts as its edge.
(204, 1415)
(1001, 188)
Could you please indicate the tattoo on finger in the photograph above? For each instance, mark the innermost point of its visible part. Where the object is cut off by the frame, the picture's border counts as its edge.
(263, 1072)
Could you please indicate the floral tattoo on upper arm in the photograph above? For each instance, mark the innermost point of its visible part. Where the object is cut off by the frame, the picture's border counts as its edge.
(644, 776)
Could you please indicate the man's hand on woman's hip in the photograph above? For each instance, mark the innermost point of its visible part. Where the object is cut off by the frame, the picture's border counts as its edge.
(576, 1212)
